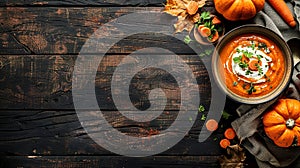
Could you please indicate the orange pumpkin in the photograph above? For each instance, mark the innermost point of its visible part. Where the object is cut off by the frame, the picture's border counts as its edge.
(234, 10)
(282, 122)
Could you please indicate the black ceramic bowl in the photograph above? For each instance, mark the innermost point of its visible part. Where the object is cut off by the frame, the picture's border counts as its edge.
(218, 72)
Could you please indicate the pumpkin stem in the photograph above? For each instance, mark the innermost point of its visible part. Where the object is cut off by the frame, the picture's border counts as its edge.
(290, 123)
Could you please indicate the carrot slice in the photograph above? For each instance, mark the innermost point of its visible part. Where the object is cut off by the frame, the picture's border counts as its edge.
(216, 20)
(200, 27)
(245, 59)
(211, 125)
(283, 10)
(224, 143)
(253, 65)
(229, 133)
(204, 31)
(215, 37)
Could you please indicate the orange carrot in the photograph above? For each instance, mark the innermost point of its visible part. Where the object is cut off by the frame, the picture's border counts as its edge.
(229, 133)
(216, 20)
(253, 65)
(215, 37)
(199, 27)
(282, 9)
(245, 59)
(204, 31)
(224, 143)
(211, 125)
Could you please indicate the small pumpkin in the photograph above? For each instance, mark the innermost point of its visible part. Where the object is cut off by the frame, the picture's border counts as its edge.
(282, 122)
(235, 10)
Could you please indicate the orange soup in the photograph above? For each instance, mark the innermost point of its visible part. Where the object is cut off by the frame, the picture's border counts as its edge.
(253, 65)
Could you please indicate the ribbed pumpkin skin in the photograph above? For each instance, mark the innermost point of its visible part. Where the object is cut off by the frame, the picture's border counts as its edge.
(235, 10)
(275, 122)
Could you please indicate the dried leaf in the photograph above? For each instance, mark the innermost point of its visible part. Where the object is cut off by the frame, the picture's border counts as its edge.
(179, 8)
(201, 3)
(175, 7)
(175, 12)
(192, 8)
(183, 24)
(235, 159)
(195, 18)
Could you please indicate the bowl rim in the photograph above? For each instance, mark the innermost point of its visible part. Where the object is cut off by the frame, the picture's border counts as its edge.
(272, 35)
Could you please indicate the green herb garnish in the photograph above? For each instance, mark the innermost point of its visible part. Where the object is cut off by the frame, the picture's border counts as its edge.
(208, 51)
(237, 59)
(259, 57)
(247, 53)
(201, 108)
(260, 70)
(203, 117)
(205, 16)
(264, 47)
(251, 89)
(243, 64)
(187, 39)
(225, 115)
(248, 72)
(252, 45)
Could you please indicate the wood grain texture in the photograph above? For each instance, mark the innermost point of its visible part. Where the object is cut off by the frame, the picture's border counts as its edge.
(64, 30)
(58, 30)
(39, 46)
(60, 133)
(45, 81)
(110, 161)
(101, 3)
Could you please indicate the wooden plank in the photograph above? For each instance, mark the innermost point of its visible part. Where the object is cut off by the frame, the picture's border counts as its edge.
(63, 30)
(118, 161)
(31, 80)
(58, 30)
(45, 81)
(104, 3)
(110, 161)
(100, 3)
(60, 133)
(41, 132)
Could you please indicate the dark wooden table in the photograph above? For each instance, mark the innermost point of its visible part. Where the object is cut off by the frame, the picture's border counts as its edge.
(39, 43)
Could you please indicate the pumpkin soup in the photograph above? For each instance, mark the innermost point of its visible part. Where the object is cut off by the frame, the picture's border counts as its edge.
(253, 65)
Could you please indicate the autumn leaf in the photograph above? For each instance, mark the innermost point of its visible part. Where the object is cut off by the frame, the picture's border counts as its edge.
(181, 9)
(175, 7)
(183, 24)
(235, 159)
